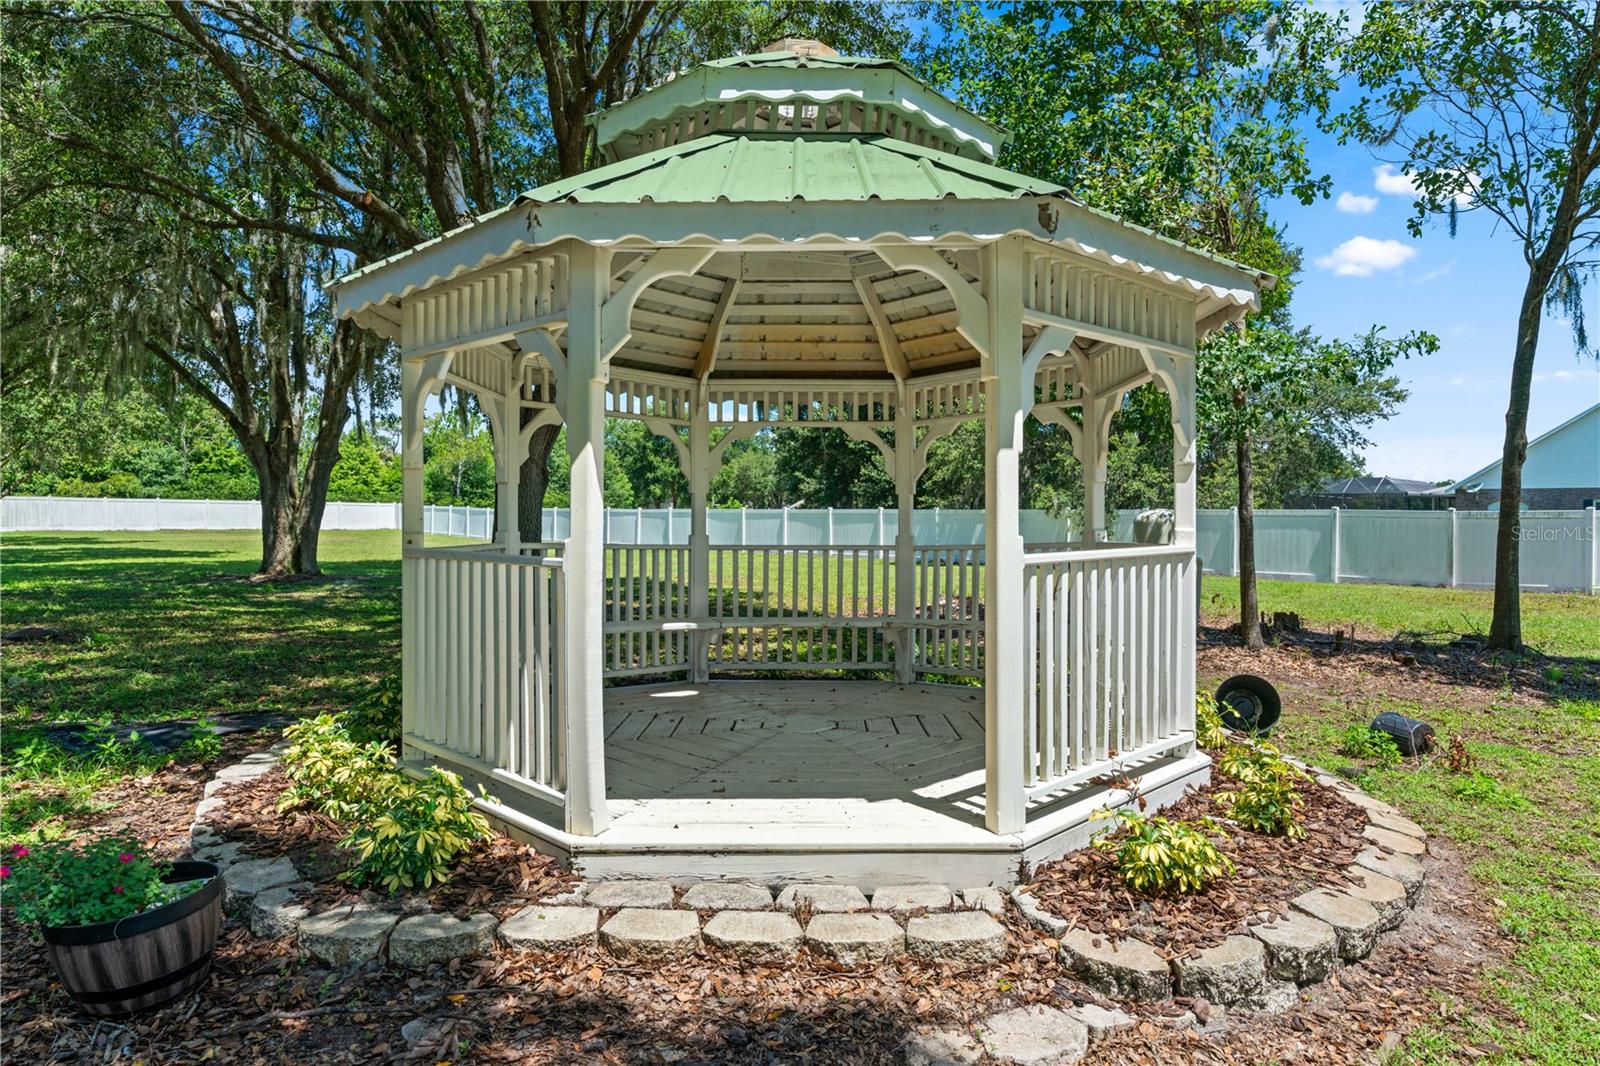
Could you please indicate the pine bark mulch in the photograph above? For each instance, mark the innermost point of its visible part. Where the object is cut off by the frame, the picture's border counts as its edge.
(1084, 887)
(498, 875)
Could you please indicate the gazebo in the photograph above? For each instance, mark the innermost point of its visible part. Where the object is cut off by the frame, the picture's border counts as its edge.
(801, 239)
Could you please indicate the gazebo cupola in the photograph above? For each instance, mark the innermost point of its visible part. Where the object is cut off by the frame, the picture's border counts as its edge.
(795, 87)
(815, 241)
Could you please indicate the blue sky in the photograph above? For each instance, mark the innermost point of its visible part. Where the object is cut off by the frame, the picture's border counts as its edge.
(1466, 290)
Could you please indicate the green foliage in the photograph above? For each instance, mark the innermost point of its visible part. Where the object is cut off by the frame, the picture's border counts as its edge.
(376, 715)
(1209, 732)
(331, 773)
(203, 743)
(1365, 742)
(404, 833)
(368, 470)
(1164, 856)
(1267, 799)
(1481, 788)
(410, 837)
(458, 460)
(104, 880)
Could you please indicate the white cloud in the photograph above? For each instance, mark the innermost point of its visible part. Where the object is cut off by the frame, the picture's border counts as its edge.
(1356, 204)
(1388, 181)
(1361, 257)
(1391, 182)
(1436, 273)
(1565, 375)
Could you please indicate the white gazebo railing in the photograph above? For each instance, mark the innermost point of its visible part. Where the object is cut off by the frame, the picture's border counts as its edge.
(1105, 654)
(483, 651)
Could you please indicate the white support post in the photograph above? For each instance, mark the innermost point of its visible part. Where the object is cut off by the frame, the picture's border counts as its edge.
(1092, 447)
(905, 544)
(411, 536)
(582, 401)
(1007, 399)
(1333, 550)
(1185, 517)
(508, 456)
(699, 535)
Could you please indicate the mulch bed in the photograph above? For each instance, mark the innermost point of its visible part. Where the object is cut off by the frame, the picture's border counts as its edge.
(499, 875)
(1269, 871)
(1365, 663)
(266, 1004)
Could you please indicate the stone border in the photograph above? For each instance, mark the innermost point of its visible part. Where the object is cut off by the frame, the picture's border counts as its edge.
(1265, 968)
(653, 920)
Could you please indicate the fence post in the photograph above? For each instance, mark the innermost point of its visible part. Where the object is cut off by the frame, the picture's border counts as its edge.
(1593, 552)
(1334, 562)
(830, 527)
(1454, 550)
(783, 525)
(880, 527)
(1235, 511)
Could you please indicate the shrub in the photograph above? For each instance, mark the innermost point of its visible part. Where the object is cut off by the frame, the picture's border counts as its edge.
(331, 773)
(1162, 856)
(376, 716)
(1209, 732)
(1365, 742)
(411, 839)
(1266, 800)
(404, 833)
(102, 881)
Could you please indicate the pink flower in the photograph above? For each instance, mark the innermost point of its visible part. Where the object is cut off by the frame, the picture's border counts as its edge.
(125, 857)
(19, 852)
(5, 871)
(117, 889)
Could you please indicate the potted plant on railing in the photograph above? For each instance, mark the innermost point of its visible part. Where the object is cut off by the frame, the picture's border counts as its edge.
(124, 931)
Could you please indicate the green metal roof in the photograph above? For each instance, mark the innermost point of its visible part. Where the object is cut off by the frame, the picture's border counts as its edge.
(778, 167)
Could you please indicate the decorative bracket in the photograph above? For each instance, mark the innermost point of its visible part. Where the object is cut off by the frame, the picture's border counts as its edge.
(541, 342)
(430, 377)
(615, 327)
(1176, 373)
(972, 310)
(663, 428)
(861, 431)
(740, 431)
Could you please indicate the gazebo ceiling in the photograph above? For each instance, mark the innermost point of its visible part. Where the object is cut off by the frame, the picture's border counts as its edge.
(772, 314)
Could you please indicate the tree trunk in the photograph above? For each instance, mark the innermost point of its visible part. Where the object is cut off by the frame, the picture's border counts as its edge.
(1505, 628)
(281, 516)
(531, 480)
(1249, 609)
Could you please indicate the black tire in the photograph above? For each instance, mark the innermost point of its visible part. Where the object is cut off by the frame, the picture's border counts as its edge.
(1249, 704)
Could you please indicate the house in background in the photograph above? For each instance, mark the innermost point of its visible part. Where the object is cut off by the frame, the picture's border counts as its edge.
(1372, 494)
(1561, 472)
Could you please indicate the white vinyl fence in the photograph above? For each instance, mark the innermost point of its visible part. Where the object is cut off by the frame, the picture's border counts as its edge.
(1560, 549)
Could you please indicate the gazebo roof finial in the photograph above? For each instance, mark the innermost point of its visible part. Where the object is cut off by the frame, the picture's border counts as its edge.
(803, 46)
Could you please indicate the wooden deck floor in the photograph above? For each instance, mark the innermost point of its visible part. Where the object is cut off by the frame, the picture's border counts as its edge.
(827, 762)
(853, 782)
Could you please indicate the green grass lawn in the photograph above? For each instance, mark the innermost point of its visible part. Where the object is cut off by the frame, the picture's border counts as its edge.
(169, 629)
(1526, 816)
(1558, 624)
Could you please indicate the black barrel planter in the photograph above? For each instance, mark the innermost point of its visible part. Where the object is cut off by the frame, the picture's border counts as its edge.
(147, 960)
